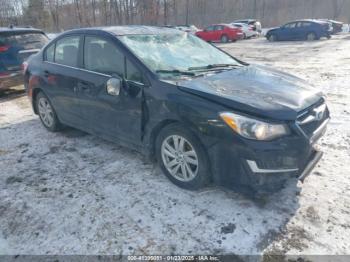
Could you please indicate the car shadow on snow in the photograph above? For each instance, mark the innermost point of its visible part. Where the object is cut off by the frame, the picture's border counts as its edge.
(93, 192)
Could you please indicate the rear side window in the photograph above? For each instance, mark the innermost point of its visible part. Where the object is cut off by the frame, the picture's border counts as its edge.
(50, 53)
(306, 24)
(67, 50)
(102, 56)
(219, 27)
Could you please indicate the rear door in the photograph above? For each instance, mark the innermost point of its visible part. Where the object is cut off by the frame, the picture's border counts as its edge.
(60, 74)
(116, 116)
(218, 32)
(16, 46)
(303, 29)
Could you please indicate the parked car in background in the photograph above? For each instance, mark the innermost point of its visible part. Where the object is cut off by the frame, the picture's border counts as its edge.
(220, 33)
(337, 26)
(247, 30)
(16, 45)
(204, 115)
(52, 35)
(300, 30)
(187, 28)
(256, 25)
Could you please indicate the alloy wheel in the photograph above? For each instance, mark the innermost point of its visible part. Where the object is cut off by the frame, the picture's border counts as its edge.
(272, 38)
(45, 111)
(179, 158)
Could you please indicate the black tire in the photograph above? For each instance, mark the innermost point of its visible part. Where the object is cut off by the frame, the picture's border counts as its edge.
(311, 36)
(55, 125)
(272, 38)
(224, 39)
(202, 177)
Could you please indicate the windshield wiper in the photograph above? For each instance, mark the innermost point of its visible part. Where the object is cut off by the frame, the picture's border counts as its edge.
(176, 71)
(213, 66)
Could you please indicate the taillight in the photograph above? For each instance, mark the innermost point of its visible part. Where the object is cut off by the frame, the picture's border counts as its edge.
(4, 48)
(4, 74)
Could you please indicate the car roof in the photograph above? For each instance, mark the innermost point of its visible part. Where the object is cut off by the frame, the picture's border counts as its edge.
(131, 30)
(20, 29)
(245, 20)
(307, 20)
(222, 24)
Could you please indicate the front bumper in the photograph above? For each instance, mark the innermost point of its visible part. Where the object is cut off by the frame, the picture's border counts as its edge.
(264, 166)
(11, 80)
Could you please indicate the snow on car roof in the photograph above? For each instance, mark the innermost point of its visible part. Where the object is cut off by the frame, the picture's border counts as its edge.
(139, 30)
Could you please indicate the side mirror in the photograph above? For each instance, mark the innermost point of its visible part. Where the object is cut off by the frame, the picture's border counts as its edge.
(113, 86)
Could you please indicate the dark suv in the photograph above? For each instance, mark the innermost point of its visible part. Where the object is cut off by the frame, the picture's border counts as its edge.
(204, 115)
(16, 45)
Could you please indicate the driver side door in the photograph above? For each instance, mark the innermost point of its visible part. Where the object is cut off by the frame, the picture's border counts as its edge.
(112, 114)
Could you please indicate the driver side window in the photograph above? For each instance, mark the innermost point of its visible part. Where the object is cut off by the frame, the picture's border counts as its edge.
(102, 56)
(292, 25)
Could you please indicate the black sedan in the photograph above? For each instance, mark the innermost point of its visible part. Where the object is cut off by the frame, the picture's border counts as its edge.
(204, 115)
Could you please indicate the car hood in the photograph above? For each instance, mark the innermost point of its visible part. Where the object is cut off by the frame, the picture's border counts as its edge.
(256, 90)
(273, 29)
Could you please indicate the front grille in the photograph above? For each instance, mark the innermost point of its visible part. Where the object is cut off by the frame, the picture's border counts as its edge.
(311, 119)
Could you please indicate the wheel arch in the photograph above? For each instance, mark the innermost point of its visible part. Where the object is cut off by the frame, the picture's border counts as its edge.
(164, 123)
(35, 93)
(155, 132)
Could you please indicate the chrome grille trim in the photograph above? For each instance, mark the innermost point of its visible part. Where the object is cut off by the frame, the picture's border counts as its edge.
(314, 114)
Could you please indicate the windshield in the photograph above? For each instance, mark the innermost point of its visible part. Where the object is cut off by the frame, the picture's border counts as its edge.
(175, 52)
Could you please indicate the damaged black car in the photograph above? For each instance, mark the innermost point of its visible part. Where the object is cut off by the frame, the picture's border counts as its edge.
(205, 116)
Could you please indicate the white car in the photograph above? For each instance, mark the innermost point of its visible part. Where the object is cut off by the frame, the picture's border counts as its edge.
(247, 30)
(187, 28)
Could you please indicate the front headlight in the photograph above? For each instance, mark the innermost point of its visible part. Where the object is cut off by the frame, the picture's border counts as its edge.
(254, 129)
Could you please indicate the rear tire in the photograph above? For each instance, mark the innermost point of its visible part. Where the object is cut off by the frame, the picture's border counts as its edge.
(182, 157)
(311, 37)
(47, 113)
(224, 39)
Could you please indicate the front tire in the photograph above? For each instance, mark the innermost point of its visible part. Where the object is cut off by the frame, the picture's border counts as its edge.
(272, 38)
(182, 157)
(47, 113)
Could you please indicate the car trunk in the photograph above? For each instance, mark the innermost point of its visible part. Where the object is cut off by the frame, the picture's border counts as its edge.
(16, 47)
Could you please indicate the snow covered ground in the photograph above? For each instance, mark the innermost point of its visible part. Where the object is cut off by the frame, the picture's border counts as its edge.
(72, 193)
